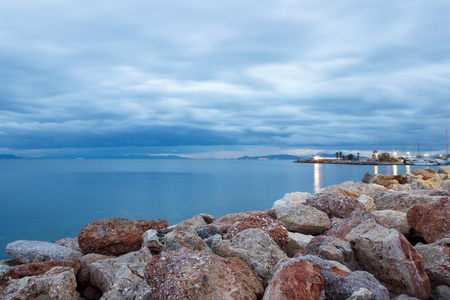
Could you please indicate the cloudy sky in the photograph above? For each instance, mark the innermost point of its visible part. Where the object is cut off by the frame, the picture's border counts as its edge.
(222, 78)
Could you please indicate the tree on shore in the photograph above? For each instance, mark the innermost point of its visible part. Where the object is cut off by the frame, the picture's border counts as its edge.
(384, 156)
(337, 155)
(357, 156)
(341, 155)
(350, 156)
(374, 155)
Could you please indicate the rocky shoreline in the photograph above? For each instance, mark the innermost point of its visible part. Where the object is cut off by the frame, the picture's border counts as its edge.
(386, 237)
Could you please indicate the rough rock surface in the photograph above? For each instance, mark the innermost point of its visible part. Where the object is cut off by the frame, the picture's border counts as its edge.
(58, 283)
(332, 248)
(296, 280)
(116, 236)
(291, 198)
(390, 258)
(122, 276)
(225, 222)
(441, 292)
(188, 274)
(341, 227)
(432, 220)
(436, 259)
(335, 206)
(255, 248)
(354, 189)
(35, 269)
(393, 219)
(404, 200)
(379, 179)
(183, 236)
(69, 242)
(195, 221)
(303, 218)
(276, 229)
(368, 202)
(341, 283)
(207, 231)
(297, 241)
(83, 276)
(35, 251)
(4, 272)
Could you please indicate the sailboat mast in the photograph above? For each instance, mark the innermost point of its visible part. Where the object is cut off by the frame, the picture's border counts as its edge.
(446, 141)
(418, 150)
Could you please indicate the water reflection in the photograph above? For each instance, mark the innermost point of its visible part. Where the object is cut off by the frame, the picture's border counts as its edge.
(394, 167)
(317, 177)
(375, 170)
(408, 168)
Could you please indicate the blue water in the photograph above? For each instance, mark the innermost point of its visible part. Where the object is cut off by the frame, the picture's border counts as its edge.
(47, 200)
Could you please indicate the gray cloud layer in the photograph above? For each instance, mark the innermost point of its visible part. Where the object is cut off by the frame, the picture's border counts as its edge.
(293, 74)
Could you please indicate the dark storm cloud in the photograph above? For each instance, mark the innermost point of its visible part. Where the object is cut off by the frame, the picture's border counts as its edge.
(289, 74)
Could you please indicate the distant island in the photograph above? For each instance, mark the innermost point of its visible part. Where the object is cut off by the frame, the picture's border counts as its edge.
(9, 156)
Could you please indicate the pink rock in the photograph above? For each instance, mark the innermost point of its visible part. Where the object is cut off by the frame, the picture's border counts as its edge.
(432, 220)
(341, 227)
(35, 269)
(225, 222)
(188, 274)
(274, 228)
(116, 236)
(298, 280)
(335, 206)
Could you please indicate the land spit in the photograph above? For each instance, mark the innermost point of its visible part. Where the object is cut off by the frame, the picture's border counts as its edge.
(346, 162)
(386, 237)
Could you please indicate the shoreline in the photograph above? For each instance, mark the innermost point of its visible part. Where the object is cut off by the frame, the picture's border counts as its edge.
(346, 162)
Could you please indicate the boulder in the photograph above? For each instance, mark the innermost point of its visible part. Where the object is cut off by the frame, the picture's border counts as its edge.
(390, 258)
(4, 272)
(332, 248)
(446, 185)
(297, 241)
(303, 218)
(354, 189)
(335, 206)
(35, 269)
(436, 259)
(83, 276)
(58, 283)
(188, 274)
(121, 277)
(423, 172)
(291, 198)
(341, 283)
(444, 170)
(405, 297)
(295, 280)
(36, 251)
(276, 229)
(254, 247)
(431, 220)
(368, 202)
(225, 222)
(393, 219)
(69, 242)
(341, 227)
(441, 292)
(182, 236)
(399, 178)
(404, 200)
(420, 184)
(380, 180)
(367, 177)
(195, 221)
(116, 236)
(207, 231)
(151, 240)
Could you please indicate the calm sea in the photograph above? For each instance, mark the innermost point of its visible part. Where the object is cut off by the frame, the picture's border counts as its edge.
(47, 200)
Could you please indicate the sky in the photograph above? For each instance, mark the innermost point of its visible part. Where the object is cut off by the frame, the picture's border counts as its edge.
(223, 79)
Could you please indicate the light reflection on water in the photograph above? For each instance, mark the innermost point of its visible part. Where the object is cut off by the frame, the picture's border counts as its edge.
(316, 178)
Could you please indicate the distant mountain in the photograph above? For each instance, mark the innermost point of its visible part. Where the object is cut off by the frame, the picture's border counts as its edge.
(271, 157)
(9, 156)
(153, 157)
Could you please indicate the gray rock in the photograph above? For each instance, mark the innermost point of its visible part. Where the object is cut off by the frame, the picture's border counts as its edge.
(254, 247)
(342, 283)
(354, 189)
(58, 283)
(83, 276)
(120, 277)
(4, 271)
(393, 219)
(436, 259)
(195, 221)
(33, 251)
(403, 200)
(441, 292)
(152, 241)
(390, 258)
(291, 198)
(405, 297)
(303, 218)
(332, 248)
(298, 241)
(183, 236)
